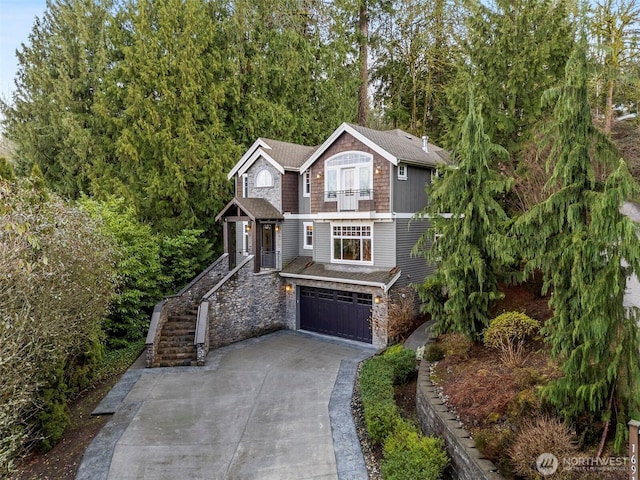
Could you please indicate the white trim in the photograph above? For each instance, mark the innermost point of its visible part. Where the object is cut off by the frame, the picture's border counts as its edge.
(337, 216)
(404, 176)
(339, 169)
(364, 216)
(245, 185)
(418, 216)
(258, 143)
(256, 155)
(306, 178)
(384, 286)
(345, 128)
(352, 224)
(304, 235)
(263, 179)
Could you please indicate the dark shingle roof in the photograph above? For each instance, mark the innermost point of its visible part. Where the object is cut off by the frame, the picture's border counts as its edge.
(404, 146)
(306, 267)
(289, 155)
(254, 208)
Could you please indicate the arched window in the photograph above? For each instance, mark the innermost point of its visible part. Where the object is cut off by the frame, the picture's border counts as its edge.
(264, 179)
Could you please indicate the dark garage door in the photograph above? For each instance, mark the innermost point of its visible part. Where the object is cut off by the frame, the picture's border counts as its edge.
(335, 312)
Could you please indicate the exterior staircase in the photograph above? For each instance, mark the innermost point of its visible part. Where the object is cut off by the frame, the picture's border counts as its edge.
(176, 346)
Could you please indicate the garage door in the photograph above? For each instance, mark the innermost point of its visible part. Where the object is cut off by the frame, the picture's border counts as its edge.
(335, 312)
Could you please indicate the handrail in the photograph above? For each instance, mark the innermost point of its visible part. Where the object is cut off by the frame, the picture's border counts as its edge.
(201, 323)
(228, 276)
(200, 275)
(155, 320)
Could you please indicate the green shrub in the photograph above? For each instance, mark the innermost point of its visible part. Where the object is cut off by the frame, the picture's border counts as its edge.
(508, 333)
(408, 455)
(456, 345)
(376, 381)
(380, 419)
(402, 361)
(435, 352)
(53, 417)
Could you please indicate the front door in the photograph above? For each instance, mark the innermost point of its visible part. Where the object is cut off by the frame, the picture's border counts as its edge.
(348, 197)
(268, 247)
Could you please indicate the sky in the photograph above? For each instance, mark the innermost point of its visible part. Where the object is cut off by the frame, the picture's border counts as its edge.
(16, 20)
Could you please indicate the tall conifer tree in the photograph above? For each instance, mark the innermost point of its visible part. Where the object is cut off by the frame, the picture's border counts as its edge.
(163, 105)
(50, 119)
(469, 221)
(586, 249)
(512, 51)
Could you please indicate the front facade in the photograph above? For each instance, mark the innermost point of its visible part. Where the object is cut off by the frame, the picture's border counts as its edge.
(335, 222)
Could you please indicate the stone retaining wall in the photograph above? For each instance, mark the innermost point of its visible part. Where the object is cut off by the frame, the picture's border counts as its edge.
(434, 418)
(247, 305)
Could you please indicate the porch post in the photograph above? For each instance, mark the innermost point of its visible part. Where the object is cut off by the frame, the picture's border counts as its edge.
(257, 247)
(225, 236)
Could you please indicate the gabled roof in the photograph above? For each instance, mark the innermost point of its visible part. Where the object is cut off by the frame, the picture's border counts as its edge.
(394, 145)
(290, 155)
(282, 155)
(405, 147)
(254, 208)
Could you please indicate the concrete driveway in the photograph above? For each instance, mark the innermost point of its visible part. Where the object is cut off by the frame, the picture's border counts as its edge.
(274, 407)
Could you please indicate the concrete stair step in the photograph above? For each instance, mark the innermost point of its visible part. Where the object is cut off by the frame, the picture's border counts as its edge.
(182, 317)
(176, 363)
(177, 339)
(171, 350)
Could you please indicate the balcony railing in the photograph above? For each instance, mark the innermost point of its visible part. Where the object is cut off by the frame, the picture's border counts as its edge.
(351, 200)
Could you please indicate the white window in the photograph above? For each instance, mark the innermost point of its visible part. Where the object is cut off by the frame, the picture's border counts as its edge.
(348, 177)
(306, 184)
(264, 179)
(352, 243)
(308, 235)
(402, 171)
(245, 186)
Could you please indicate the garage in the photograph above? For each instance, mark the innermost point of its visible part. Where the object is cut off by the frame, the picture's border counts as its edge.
(336, 312)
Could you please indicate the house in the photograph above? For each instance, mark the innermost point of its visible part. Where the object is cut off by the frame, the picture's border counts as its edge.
(335, 223)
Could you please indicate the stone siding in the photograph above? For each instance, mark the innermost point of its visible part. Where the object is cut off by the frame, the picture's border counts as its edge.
(434, 418)
(381, 180)
(272, 194)
(246, 305)
(191, 295)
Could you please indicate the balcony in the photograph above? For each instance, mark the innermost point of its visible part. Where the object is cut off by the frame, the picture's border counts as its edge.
(351, 200)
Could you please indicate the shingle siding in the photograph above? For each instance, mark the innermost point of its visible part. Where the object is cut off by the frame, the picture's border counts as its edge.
(290, 192)
(381, 182)
(414, 270)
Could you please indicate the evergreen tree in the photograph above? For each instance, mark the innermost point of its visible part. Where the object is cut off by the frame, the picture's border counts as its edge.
(413, 64)
(470, 248)
(586, 248)
(50, 119)
(512, 51)
(163, 106)
(291, 73)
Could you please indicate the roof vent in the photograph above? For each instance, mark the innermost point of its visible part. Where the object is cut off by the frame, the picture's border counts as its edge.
(425, 143)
